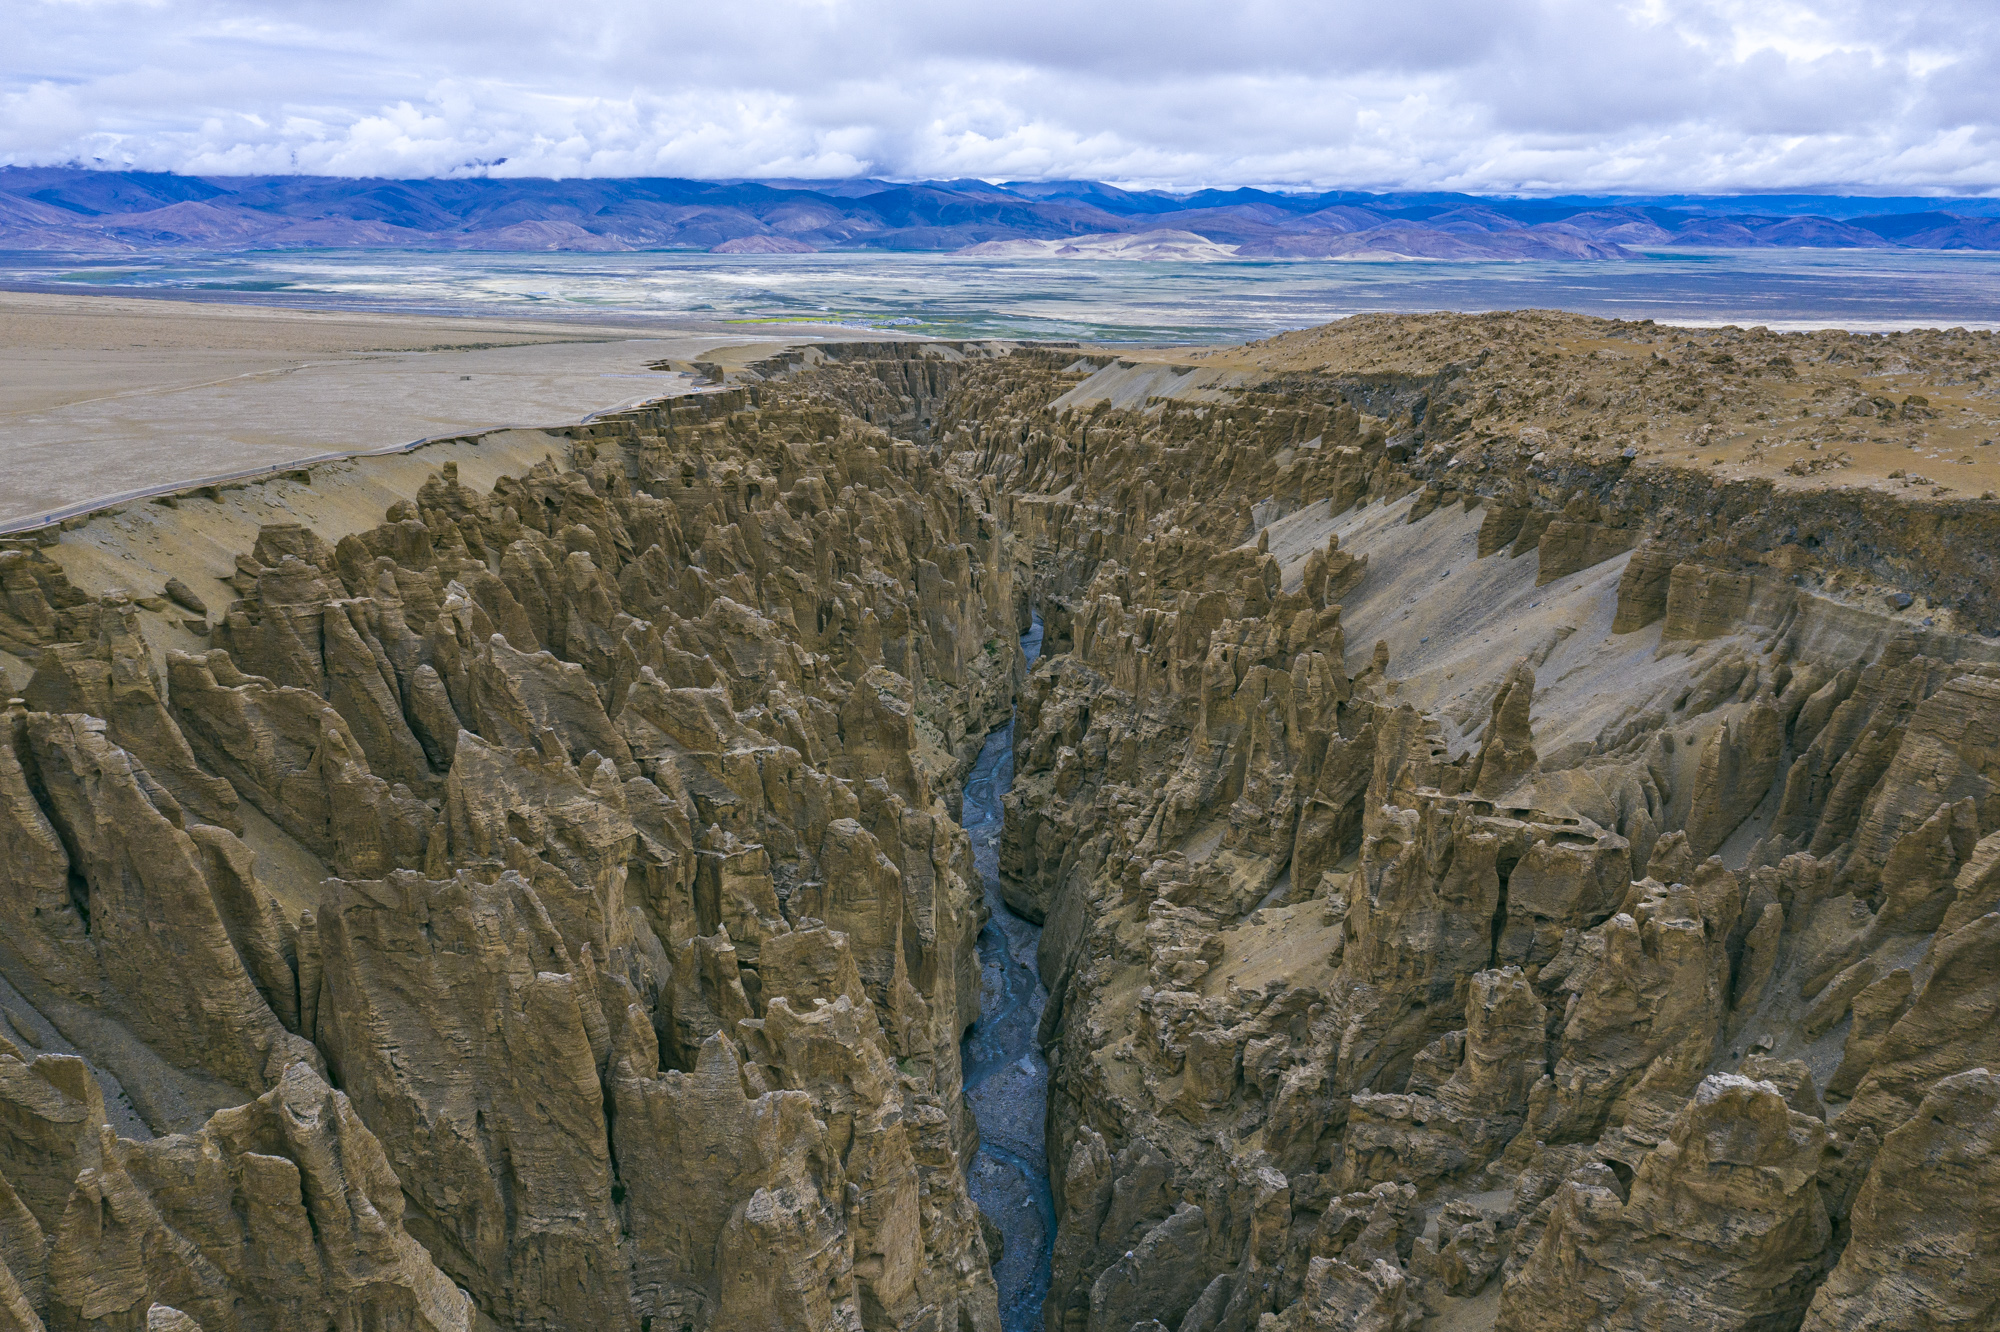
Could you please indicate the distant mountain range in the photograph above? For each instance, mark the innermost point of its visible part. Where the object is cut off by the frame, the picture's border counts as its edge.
(88, 211)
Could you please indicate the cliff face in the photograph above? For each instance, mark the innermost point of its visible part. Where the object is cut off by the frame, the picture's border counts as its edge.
(616, 974)
(1488, 879)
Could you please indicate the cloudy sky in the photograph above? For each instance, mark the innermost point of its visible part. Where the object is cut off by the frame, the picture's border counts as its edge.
(1875, 96)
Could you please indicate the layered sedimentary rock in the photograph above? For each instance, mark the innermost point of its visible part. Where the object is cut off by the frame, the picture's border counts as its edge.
(271, 1215)
(610, 872)
(1489, 877)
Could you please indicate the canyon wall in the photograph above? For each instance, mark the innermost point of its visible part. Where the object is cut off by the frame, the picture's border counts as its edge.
(1491, 874)
(608, 955)
(1486, 881)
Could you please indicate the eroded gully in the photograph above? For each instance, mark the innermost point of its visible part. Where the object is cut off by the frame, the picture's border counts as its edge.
(1006, 1078)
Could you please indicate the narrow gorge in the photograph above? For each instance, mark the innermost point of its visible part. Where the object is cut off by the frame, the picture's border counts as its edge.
(1006, 1074)
(1433, 822)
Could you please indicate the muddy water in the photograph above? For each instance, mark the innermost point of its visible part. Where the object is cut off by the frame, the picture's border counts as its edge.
(1006, 1078)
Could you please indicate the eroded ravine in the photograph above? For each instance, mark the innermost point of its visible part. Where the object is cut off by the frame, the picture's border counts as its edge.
(580, 936)
(1448, 831)
(1006, 1077)
(1451, 831)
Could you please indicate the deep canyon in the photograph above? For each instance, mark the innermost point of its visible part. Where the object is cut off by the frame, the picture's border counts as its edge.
(1446, 822)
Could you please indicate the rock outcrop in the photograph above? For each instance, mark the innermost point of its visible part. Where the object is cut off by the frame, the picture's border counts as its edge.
(1488, 876)
(1568, 955)
(1923, 1220)
(271, 1215)
(600, 849)
(1732, 1194)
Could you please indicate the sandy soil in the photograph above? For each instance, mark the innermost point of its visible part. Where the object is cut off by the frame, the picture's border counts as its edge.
(101, 396)
(1802, 410)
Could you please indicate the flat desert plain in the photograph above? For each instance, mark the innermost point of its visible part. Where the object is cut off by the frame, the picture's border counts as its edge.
(102, 396)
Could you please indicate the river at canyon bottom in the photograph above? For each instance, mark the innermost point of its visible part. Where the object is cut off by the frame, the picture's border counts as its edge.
(1006, 1078)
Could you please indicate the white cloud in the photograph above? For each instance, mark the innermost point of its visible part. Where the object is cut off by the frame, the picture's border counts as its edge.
(1493, 95)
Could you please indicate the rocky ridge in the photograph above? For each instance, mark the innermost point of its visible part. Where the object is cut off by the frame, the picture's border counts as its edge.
(100, 211)
(1492, 875)
(616, 967)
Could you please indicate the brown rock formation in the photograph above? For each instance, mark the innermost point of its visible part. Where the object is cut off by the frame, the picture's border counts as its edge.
(1372, 931)
(637, 799)
(1721, 1225)
(1609, 941)
(1923, 1217)
(272, 1214)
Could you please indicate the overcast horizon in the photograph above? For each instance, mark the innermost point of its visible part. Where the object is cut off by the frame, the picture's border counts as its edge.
(1527, 97)
(1000, 182)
